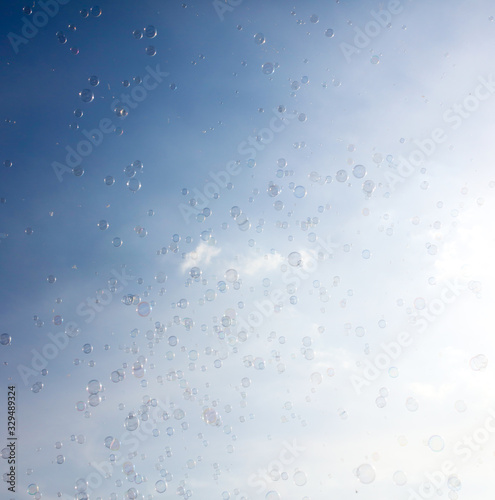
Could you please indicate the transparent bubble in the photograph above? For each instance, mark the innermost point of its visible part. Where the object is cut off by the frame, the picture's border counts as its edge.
(86, 95)
(295, 259)
(150, 31)
(368, 186)
(329, 33)
(210, 416)
(231, 275)
(300, 478)
(341, 176)
(109, 180)
(117, 242)
(36, 387)
(267, 68)
(366, 473)
(78, 171)
(302, 117)
(454, 483)
(29, 231)
(160, 486)
(95, 11)
(131, 422)
(436, 443)
(359, 171)
(137, 34)
(61, 37)
(5, 339)
(60, 459)
(460, 406)
(399, 478)
(51, 279)
(478, 363)
(94, 386)
(150, 50)
(102, 225)
(134, 185)
(299, 191)
(87, 348)
(272, 495)
(259, 39)
(273, 190)
(195, 272)
(78, 113)
(374, 60)
(94, 81)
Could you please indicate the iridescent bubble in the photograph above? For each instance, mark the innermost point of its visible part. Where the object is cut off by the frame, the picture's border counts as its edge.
(32, 489)
(143, 309)
(111, 443)
(366, 473)
(375, 59)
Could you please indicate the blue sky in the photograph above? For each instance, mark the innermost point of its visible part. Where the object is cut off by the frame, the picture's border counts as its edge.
(277, 356)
